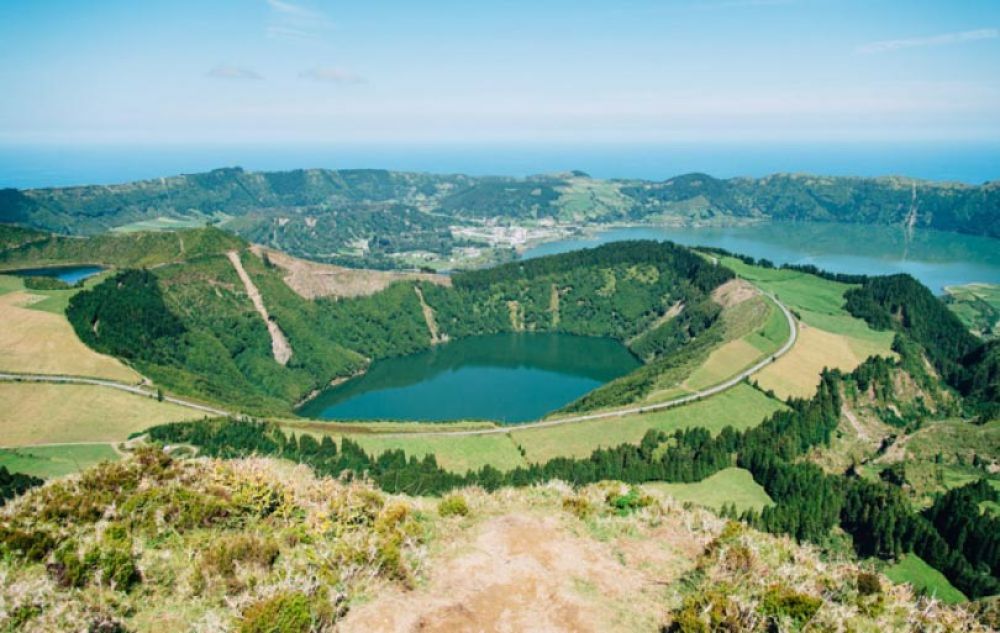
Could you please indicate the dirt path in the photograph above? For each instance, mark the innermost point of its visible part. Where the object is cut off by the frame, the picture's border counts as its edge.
(432, 327)
(279, 344)
(855, 424)
(524, 572)
(554, 305)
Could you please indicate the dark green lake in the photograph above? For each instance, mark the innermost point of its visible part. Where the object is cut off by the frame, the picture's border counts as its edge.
(503, 377)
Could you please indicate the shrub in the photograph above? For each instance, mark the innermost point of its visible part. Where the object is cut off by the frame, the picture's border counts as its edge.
(179, 508)
(453, 505)
(579, 506)
(114, 566)
(225, 552)
(33, 545)
(869, 584)
(628, 502)
(117, 569)
(781, 602)
(282, 613)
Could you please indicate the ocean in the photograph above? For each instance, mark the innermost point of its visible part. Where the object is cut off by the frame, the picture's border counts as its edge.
(23, 166)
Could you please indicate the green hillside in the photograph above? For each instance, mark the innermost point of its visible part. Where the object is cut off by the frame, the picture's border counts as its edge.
(192, 328)
(377, 215)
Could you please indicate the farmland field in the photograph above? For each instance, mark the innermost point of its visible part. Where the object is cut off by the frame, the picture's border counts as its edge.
(33, 341)
(925, 579)
(741, 407)
(38, 413)
(730, 486)
(55, 461)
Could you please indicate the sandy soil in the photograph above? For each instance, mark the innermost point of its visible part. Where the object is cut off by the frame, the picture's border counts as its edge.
(733, 292)
(280, 346)
(312, 280)
(528, 572)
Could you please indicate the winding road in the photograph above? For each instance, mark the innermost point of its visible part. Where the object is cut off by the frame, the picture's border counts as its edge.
(113, 384)
(616, 413)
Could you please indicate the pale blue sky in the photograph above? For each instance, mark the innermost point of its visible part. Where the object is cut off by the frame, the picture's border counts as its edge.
(440, 71)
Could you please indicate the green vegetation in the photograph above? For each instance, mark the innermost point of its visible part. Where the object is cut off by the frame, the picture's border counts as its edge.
(56, 461)
(912, 570)
(729, 488)
(192, 328)
(978, 307)
(15, 484)
(343, 215)
(741, 407)
(120, 250)
(900, 302)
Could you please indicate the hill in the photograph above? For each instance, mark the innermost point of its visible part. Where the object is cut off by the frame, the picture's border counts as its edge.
(389, 219)
(156, 543)
(194, 328)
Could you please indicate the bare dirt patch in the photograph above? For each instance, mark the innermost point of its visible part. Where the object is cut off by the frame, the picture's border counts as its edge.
(432, 327)
(280, 346)
(733, 292)
(312, 280)
(527, 572)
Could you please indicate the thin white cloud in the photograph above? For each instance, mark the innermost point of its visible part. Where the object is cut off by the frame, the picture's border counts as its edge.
(295, 21)
(224, 71)
(888, 46)
(331, 74)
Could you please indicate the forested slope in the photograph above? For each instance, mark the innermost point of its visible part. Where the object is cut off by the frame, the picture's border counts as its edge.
(191, 326)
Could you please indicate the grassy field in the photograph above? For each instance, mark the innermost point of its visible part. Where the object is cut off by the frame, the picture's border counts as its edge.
(732, 485)
(162, 224)
(741, 407)
(37, 413)
(457, 454)
(55, 461)
(977, 305)
(797, 373)
(830, 336)
(913, 570)
(32, 341)
(725, 361)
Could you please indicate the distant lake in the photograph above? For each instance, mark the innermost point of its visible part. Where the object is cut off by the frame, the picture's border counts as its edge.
(503, 377)
(936, 258)
(68, 274)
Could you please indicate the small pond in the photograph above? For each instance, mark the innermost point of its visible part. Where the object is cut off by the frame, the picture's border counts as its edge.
(68, 274)
(507, 378)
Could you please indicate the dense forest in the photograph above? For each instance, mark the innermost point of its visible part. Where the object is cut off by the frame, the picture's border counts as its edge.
(192, 328)
(355, 216)
(14, 484)
(902, 303)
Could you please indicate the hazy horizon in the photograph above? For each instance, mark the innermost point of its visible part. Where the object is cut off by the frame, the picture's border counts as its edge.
(289, 72)
(56, 165)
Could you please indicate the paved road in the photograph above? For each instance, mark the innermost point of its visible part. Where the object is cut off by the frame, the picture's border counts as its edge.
(121, 386)
(617, 413)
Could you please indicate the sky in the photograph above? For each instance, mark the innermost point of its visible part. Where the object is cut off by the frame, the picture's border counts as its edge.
(317, 71)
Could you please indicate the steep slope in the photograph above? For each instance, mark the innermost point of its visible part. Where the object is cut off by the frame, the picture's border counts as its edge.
(195, 327)
(155, 543)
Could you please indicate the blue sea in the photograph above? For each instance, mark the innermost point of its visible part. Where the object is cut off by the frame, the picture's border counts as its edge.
(61, 165)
